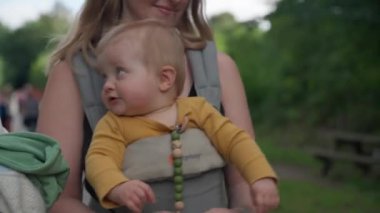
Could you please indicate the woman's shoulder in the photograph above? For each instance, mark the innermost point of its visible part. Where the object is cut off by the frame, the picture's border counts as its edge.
(228, 70)
(222, 56)
(60, 69)
(225, 61)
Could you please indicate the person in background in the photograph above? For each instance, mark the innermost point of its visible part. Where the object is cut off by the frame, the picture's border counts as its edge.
(2, 128)
(29, 107)
(61, 113)
(4, 107)
(15, 100)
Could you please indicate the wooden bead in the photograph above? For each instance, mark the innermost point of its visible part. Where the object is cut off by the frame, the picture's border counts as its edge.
(178, 179)
(177, 170)
(178, 196)
(179, 205)
(178, 188)
(177, 162)
(176, 144)
(177, 153)
(175, 135)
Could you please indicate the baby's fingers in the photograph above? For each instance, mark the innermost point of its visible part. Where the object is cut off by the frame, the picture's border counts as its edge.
(265, 195)
(265, 203)
(148, 193)
(142, 194)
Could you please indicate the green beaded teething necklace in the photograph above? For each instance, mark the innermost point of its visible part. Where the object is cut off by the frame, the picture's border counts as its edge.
(177, 168)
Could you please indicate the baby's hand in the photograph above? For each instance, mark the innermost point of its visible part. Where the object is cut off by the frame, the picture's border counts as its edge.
(264, 195)
(133, 194)
(222, 210)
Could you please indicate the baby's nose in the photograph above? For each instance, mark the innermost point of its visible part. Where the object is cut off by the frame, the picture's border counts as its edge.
(108, 85)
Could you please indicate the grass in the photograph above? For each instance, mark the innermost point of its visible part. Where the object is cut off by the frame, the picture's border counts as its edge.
(285, 146)
(305, 196)
(289, 155)
(345, 189)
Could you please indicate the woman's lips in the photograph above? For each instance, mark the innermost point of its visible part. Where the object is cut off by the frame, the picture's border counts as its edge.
(166, 10)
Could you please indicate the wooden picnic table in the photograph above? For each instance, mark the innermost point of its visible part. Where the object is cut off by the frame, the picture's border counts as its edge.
(361, 149)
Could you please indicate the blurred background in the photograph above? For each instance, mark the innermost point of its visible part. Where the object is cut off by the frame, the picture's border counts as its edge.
(311, 71)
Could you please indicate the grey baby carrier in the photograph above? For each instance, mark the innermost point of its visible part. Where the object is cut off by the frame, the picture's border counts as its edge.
(203, 189)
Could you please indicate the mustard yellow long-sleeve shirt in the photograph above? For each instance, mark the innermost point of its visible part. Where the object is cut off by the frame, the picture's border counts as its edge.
(114, 133)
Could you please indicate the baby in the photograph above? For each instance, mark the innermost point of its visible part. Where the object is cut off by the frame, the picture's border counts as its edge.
(149, 133)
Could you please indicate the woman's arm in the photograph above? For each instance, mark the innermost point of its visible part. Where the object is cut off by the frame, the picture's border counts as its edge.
(236, 109)
(61, 117)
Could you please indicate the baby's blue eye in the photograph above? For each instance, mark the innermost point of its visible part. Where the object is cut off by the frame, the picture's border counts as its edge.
(120, 73)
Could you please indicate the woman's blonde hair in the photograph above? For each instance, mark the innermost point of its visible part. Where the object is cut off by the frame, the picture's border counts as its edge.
(98, 16)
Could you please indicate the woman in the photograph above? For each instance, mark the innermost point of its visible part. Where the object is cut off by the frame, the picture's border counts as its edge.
(61, 113)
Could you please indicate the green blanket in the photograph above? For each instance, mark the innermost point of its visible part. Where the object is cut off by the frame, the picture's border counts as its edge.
(39, 158)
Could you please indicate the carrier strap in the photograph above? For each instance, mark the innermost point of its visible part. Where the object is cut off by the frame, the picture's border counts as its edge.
(90, 85)
(205, 73)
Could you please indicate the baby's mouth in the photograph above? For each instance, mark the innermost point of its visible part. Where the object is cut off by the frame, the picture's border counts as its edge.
(112, 99)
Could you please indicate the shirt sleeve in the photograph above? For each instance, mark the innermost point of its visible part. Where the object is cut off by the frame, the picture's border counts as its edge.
(234, 144)
(104, 159)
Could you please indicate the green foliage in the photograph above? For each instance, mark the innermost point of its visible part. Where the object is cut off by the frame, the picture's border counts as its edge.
(38, 71)
(21, 47)
(4, 31)
(299, 196)
(330, 51)
(222, 25)
(1, 71)
(317, 65)
(293, 155)
(20, 51)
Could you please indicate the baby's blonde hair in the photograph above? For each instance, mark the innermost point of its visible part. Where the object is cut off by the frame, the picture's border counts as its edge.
(155, 43)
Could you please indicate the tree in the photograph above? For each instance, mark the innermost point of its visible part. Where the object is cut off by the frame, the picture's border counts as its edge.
(22, 46)
(245, 43)
(327, 56)
(317, 65)
(38, 71)
(4, 31)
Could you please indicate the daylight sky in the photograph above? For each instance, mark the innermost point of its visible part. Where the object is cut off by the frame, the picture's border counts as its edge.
(14, 13)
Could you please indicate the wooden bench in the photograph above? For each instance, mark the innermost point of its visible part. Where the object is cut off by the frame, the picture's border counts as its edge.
(362, 150)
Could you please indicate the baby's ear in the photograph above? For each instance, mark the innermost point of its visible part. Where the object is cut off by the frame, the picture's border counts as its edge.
(167, 77)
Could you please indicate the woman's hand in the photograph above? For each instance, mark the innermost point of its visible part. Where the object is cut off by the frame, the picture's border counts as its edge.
(132, 194)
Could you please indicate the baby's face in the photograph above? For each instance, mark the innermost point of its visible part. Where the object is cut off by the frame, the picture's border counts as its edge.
(129, 88)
